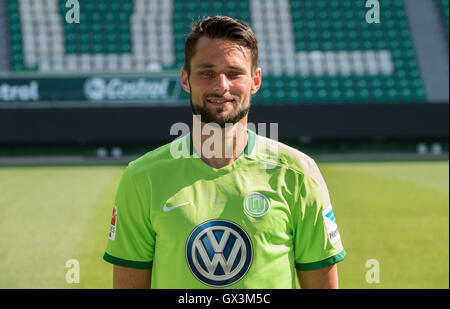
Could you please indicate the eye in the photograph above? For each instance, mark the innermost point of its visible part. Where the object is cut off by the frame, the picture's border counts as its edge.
(234, 74)
(207, 73)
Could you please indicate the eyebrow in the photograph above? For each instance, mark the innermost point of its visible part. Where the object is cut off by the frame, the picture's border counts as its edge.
(208, 66)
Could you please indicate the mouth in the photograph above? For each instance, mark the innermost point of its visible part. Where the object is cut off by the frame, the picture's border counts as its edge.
(219, 101)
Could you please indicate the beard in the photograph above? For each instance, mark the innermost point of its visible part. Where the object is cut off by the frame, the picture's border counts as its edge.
(208, 116)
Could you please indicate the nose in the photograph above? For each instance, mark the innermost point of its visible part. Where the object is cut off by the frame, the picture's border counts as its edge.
(222, 84)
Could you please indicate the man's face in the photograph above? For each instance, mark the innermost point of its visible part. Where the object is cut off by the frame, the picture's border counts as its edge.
(221, 81)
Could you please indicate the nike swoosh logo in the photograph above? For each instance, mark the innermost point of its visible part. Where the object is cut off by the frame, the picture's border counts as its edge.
(166, 209)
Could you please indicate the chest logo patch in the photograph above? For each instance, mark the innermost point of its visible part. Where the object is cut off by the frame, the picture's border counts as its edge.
(256, 204)
(219, 253)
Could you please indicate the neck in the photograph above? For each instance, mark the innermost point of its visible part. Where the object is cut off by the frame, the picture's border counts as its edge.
(219, 147)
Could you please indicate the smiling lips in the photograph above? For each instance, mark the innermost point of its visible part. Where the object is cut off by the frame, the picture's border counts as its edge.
(219, 101)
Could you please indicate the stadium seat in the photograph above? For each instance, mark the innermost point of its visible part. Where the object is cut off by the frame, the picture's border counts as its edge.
(311, 51)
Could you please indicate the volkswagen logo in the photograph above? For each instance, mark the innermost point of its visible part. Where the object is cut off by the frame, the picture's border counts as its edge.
(219, 253)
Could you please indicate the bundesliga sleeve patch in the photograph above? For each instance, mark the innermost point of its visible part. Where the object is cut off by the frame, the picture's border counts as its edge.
(112, 228)
(331, 225)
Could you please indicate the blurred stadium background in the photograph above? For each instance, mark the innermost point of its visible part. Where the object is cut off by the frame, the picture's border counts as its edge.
(368, 101)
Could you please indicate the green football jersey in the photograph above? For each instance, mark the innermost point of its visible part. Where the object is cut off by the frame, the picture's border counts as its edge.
(248, 225)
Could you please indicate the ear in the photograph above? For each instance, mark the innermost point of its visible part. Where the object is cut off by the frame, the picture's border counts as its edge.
(185, 80)
(256, 81)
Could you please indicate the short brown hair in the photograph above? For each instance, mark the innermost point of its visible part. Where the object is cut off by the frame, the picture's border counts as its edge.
(221, 27)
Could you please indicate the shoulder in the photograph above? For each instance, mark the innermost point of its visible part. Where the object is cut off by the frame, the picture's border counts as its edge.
(283, 155)
(153, 161)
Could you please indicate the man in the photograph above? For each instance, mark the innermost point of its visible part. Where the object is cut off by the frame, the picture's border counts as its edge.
(235, 209)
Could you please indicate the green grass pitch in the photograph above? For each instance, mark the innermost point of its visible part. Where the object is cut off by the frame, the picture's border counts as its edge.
(395, 213)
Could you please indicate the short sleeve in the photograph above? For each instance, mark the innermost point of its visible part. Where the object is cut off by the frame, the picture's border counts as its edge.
(317, 240)
(131, 238)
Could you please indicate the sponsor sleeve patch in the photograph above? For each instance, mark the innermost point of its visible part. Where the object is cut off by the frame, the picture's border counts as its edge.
(112, 228)
(331, 225)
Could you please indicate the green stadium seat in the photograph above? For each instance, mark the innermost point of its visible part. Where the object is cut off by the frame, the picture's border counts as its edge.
(332, 56)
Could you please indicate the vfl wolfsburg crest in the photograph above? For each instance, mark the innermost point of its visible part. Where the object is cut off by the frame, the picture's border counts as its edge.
(219, 253)
(256, 204)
